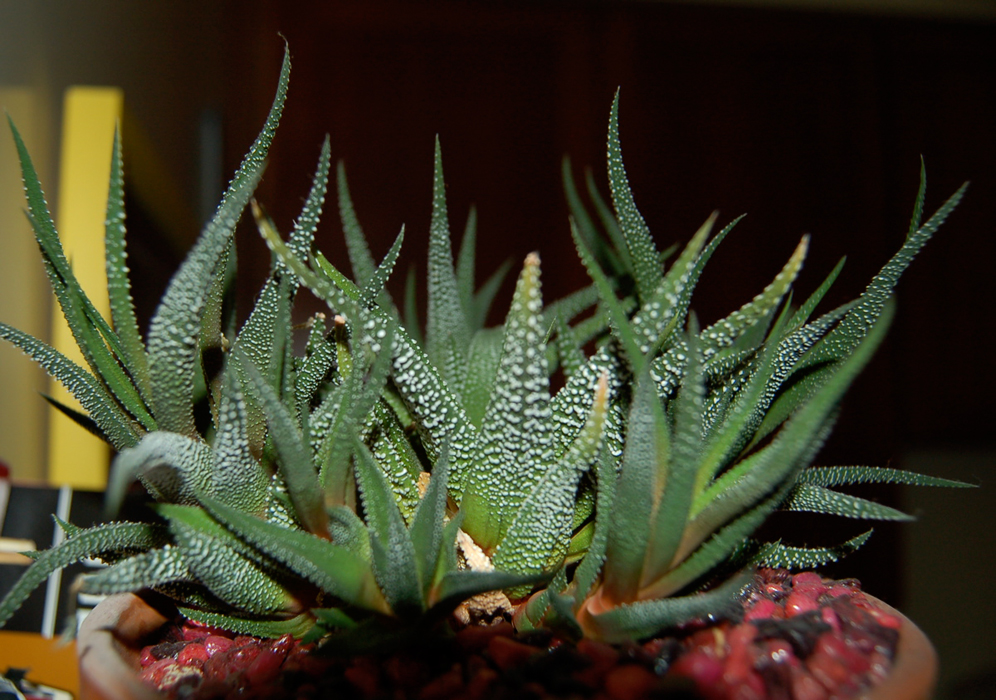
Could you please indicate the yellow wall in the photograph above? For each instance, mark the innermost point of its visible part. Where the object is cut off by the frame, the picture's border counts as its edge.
(166, 56)
(24, 296)
(90, 114)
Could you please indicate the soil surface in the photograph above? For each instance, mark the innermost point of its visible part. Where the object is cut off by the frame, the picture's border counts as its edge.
(800, 637)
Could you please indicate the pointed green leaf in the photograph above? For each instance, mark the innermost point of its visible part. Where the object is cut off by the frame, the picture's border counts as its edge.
(647, 618)
(146, 570)
(803, 313)
(411, 308)
(445, 314)
(858, 321)
(331, 567)
(724, 332)
(218, 561)
(174, 329)
(357, 248)
(397, 459)
(465, 267)
(427, 525)
(586, 575)
(294, 461)
(320, 358)
(486, 294)
(921, 195)
(118, 284)
(303, 234)
(663, 311)
(746, 482)
(482, 366)
(835, 476)
(777, 555)
(297, 626)
(717, 548)
(642, 480)
(112, 537)
(600, 247)
(394, 555)
(514, 440)
(79, 418)
(358, 401)
(437, 412)
(817, 499)
(646, 260)
(173, 468)
(238, 478)
(618, 319)
(609, 222)
(97, 342)
(680, 476)
(375, 287)
(537, 538)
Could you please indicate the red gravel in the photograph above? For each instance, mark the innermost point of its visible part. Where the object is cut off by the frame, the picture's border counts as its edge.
(800, 638)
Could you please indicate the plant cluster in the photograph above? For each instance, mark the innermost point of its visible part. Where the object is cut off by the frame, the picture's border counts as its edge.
(388, 477)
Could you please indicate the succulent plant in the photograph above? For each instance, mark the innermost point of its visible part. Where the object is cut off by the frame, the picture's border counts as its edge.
(389, 476)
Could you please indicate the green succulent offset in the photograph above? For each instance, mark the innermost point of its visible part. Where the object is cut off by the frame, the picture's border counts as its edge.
(389, 476)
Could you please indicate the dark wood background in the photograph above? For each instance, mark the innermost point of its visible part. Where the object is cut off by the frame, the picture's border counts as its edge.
(810, 122)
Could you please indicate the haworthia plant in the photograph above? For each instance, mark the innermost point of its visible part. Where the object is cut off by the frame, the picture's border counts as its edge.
(386, 477)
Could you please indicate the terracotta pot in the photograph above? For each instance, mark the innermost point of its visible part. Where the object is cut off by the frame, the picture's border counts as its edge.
(113, 635)
(914, 670)
(110, 641)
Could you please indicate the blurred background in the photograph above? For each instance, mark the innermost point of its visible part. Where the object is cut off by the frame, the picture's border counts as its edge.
(809, 116)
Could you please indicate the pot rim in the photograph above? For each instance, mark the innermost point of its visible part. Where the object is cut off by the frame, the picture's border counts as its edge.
(108, 644)
(913, 675)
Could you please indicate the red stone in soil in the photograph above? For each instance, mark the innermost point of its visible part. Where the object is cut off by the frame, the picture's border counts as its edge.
(808, 579)
(155, 672)
(192, 655)
(830, 617)
(404, 671)
(738, 671)
(448, 685)
(602, 657)
(805, 687)
(476, 637)
(827, 668)
(629, 681)
(764, 609)
(508, 653)
(362, 673)
(480, 683)
(837, 590)
(700, 666)
(193, 633)
(800, 602)
(265, 667)
(145, 658)
(214, 643)
(778, 652)
(599, 653)
(241, 656)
